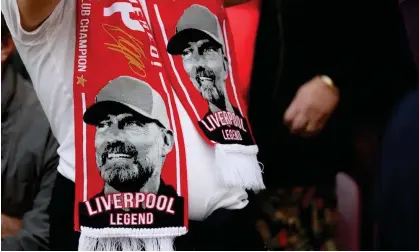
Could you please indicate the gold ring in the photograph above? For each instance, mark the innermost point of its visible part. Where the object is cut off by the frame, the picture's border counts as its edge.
(327, 80)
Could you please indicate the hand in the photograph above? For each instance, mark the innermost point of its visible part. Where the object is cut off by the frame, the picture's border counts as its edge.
(9, 226)
(311, 107)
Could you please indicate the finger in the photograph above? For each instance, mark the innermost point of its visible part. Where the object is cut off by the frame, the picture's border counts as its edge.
(299, 123)
(310, 130)
(290, 113)
(313, 129)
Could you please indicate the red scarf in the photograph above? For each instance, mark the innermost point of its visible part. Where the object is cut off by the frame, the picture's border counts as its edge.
(132, 58)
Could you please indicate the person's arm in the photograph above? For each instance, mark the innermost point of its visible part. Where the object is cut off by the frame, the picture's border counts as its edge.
(228, 3)
(314, 27)
(34, 234)
(367, 58)
(33, 22)
(34, 12)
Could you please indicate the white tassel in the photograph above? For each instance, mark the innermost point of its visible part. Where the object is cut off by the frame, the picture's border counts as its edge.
(159, 244)
(237, 166)
(110, 244)
(126, 239)
(125, 244)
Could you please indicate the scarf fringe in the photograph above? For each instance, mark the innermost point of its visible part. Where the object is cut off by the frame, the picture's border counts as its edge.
(237, 166)
(129, 239)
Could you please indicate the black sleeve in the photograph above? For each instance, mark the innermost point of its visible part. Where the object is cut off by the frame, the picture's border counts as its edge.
(367, 55)
(361, 45)
(35, 232)
(397, 204)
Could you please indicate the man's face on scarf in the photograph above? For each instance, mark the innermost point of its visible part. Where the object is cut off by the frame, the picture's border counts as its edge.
(206, 65)
(130, 149)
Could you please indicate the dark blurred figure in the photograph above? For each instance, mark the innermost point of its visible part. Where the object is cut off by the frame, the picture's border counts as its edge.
(398, 193)
(20, 67)
(410, 10)
(307, 130)
(398, 187)
(28, 157)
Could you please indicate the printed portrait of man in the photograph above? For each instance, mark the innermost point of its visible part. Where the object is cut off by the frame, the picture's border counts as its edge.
(133, 135)
(132, 140)
(199, 41)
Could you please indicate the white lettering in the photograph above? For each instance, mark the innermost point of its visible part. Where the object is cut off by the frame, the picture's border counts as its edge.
(131, 219)
(125, 9)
